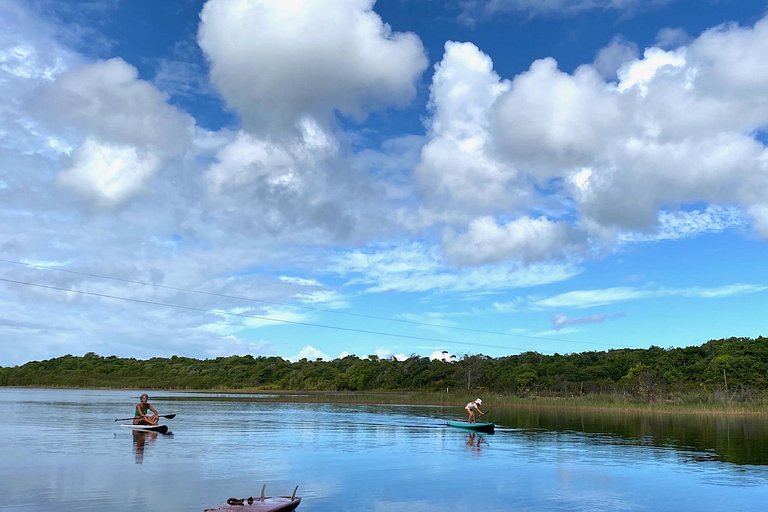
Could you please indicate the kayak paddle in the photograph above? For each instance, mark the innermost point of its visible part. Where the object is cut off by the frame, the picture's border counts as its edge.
(169, 416)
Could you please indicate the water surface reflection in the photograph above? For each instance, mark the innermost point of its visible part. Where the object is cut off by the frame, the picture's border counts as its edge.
(737, 439)
(140, 442)
(369, 458)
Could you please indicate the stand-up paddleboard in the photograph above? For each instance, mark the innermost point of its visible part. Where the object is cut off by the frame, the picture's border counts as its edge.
(148, 428)
(479, 426)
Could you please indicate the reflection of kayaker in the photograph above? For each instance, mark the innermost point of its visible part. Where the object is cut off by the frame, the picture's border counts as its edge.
(471, 407)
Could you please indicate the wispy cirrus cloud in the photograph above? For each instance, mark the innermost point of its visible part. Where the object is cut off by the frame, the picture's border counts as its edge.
(592, 298)
(299, 281)
(560, 321)
(582, 299)
(325, 298)
(474, 9)
(235, 320)
(419, 267)
(689, 224)
(724, 291)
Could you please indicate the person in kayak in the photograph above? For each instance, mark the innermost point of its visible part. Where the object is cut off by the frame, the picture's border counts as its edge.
(471, 407)
(141, 416)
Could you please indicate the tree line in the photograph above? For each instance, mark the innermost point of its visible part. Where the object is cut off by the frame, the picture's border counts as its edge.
(733, 368)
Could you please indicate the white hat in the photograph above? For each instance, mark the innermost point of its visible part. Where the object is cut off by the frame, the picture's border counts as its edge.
(479, 402)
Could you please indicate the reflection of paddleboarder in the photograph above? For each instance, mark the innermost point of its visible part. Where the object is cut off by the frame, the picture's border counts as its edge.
(139, 440)
(475, 440)
(471, 407)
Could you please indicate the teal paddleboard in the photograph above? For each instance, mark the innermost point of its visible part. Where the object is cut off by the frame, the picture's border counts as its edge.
(479, 426)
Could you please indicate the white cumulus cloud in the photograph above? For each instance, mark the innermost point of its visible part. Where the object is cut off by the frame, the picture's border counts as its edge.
(108, 174)
(456, 168)
(311, 354)
(278, 62)
(595, 157)
(523, 239)
(123, 128)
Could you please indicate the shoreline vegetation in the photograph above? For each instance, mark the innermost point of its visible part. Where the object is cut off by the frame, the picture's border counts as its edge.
(728, 376)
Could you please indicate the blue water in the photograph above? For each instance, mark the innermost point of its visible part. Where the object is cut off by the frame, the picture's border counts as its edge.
(62, 450)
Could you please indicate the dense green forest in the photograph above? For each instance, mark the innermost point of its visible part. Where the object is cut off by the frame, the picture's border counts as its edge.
(735, 369)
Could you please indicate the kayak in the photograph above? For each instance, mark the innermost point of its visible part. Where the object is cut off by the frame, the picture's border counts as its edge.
(479, 426)
(271, 504)
(163, 429)
(261, 504)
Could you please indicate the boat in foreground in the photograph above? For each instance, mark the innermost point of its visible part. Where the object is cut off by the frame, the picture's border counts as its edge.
(260, 504)
(271, 504)
(479, 426)
(162, 429)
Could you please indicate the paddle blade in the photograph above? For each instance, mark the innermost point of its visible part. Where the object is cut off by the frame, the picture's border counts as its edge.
(169, 416)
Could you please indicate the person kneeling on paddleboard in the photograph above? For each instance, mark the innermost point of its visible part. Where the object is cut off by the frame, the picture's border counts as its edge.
(142, 416)
(471, 407)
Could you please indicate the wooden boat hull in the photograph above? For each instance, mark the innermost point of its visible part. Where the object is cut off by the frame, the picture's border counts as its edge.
(162, 429)
(480, 426)
(271, 504)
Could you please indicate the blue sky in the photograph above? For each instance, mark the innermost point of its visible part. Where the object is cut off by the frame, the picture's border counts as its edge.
(314, 179)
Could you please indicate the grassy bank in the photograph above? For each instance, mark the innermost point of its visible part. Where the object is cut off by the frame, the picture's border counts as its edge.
(616, 403)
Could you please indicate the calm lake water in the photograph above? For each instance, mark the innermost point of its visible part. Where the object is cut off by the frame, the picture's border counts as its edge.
(62, 450)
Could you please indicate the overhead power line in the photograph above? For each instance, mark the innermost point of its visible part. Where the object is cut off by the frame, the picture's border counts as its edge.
(251, 299)
(292, 305)
(258, 317)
